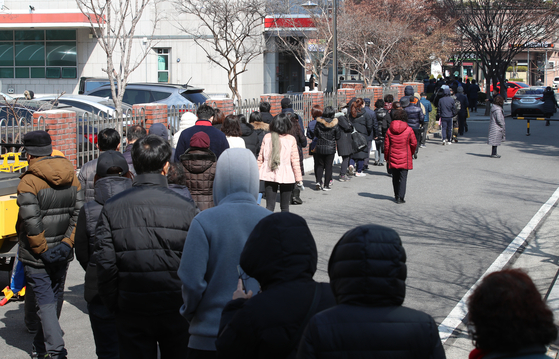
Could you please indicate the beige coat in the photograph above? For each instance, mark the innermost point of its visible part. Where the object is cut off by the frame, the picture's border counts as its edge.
(289, 170)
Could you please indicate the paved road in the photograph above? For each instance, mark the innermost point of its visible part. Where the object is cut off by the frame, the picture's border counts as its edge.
(463, 209)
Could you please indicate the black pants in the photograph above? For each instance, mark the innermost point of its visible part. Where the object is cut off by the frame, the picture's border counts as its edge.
(139, 336)
(417, 133)
(323, 163)
(272, 192)
(493, 150)
(344, 165)
(399, 179)
(103, 325)
(461, 123)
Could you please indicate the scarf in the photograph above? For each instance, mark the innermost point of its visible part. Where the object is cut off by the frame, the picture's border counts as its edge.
(276, 149)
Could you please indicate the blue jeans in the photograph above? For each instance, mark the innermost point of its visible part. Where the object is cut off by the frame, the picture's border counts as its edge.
(103, 325)
(48, 286)
(358, 164)
(446, 128)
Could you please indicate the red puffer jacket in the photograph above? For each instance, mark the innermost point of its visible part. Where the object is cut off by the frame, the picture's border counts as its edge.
(399, 145)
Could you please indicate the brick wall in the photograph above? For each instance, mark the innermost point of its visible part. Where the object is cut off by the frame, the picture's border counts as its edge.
(61, 126)
(155, 113)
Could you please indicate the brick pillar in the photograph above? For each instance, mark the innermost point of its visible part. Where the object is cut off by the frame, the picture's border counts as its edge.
(226, 105)
(348, 92)
(400, 92)
(275, 101)
(378, 93)
(155, 113)
(62, 128)
(311, 98)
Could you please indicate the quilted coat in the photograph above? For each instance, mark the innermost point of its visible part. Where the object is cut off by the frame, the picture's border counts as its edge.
(399, 145)
(496, 126)
(200, 174)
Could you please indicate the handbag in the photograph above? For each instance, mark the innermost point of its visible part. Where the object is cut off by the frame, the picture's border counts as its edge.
(359, 142)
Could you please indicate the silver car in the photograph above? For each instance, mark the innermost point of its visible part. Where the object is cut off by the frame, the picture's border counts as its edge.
(528, 102)
(171, 95)
(97, 105)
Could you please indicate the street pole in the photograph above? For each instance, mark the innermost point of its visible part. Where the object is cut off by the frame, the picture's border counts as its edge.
(528, 73)
(335, 46)
(545, 69)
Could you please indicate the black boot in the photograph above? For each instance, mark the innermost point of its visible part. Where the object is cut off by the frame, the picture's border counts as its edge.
(295, 196)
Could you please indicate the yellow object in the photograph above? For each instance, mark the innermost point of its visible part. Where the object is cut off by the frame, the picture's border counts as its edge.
(11, 162)
(8, 294)
(8, 217)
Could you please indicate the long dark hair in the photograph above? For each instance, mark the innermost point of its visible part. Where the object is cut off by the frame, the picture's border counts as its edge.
(281, 124)
(232, 126)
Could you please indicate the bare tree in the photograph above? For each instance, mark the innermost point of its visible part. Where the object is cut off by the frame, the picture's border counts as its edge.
(497, 30)
(114, 24)
(228, 31)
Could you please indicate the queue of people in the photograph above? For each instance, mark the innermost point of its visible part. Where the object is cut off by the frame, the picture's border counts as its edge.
(181, 261)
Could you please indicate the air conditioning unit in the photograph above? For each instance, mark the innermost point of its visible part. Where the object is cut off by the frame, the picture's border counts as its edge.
(551, 64)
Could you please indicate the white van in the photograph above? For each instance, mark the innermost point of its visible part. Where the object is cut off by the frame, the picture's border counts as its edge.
(556, 82)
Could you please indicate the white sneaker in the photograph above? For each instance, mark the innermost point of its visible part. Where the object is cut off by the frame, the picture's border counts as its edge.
(449, 142)
(444, 142)
(351, 170)
(360, 174)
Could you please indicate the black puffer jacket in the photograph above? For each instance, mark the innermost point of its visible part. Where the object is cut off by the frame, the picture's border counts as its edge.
(345, 147)
(367, 274)
(49, 197)
(250, 137)
(140, 238)
(281, 254)
(363, 124)
(85, 238)
(327, 133)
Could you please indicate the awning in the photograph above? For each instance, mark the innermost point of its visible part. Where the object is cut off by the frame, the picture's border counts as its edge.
(59, 20)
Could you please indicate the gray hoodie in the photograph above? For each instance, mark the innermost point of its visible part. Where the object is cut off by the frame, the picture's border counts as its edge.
(446, 108)
(213, 246)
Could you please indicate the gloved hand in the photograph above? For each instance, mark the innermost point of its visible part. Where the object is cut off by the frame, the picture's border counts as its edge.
(57, 254)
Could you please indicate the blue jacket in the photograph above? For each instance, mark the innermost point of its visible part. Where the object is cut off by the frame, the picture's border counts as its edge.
(428, 108)
(212, 250)
(218, 141)
(415, 116)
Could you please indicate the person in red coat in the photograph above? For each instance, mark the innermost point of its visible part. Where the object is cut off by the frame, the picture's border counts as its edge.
(399, 146)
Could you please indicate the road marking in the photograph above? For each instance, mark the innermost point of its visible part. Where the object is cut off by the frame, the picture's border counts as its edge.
(457, 315)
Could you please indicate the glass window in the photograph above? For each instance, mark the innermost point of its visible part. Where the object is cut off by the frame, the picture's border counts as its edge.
(196, 97)
(53, 73)
(102, 93)
(158, 95)
(61, 54)
(133, 97)
(69, 73)
(61, 35)
(30, 54)
(29, 35)
(162, 65)
(7, 73)
(22, 72)
(38, 73)
(6, 54)
(162, 77)
(6, 35)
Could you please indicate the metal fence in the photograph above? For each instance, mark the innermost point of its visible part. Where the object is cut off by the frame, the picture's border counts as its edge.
(90, 124)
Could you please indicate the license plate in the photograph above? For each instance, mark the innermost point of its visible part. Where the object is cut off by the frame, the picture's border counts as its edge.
(528, 100)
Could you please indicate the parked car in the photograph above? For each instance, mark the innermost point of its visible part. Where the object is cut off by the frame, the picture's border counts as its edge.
(556, 82)
(528, 101)
(512, 87)
(88, 84)
(171, 95)
(97, 105)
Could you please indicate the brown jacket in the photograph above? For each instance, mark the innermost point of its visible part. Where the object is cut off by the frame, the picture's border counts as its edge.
(200, 173)
(49, 197)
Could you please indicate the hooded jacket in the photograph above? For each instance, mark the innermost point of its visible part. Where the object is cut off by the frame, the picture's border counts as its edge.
(446, 107)
(344, 143)
(363, 124)
(49, 197)
(367, 274)
(208, 268)
(281, 254)
(415, 116)
(399, 145)
(140, 238)
(327, 133)
(408, 92)
(200, 163)
(105, 188)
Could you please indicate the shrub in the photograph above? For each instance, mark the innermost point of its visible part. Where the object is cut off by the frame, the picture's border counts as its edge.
(517, 80)
(518, 69)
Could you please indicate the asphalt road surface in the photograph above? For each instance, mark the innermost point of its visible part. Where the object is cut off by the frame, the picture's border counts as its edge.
(462, 210)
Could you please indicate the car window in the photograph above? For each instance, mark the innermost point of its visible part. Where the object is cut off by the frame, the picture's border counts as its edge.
(195, 97)
(80, 105)
(101, 93)
(158, 95)
(7, 117)
(133, 97)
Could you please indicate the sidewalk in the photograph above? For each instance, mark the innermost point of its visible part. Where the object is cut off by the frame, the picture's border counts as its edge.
(540, 259)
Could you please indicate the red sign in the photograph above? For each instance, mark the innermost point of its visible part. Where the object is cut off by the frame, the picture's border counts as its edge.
(288, 22)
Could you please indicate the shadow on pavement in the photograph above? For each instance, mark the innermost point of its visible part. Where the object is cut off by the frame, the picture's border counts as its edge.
(14, 332)
(74, 296)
